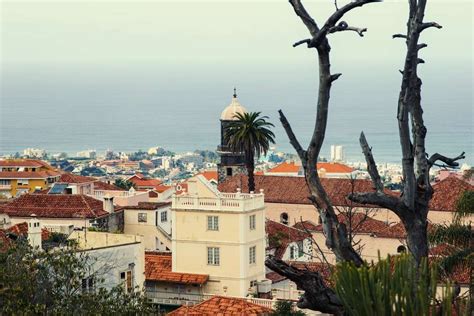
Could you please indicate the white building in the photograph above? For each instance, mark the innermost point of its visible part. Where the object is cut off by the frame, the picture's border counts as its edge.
(337, 153)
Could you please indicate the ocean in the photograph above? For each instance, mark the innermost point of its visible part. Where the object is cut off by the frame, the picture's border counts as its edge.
(127, 107)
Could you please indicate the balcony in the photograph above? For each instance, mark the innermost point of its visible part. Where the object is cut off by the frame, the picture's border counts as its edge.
(5, 187)
(223, 202)
(169, 298)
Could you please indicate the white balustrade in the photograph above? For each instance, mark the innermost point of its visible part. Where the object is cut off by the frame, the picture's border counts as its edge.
(224, 202)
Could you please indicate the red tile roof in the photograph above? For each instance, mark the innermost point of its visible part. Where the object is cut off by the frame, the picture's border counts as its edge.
(147, 205)
(280, 236)
(329, 167)
(74, 178)
(220, 305)
(44, 174)
(162, 188)
(447, 192)
(99, 185)
(54, 206)
(307, 226)
(23, 163)
(158, 268)
(20, 229)
(361, 223)
(210, 175)
(144, 183)
(293, 190)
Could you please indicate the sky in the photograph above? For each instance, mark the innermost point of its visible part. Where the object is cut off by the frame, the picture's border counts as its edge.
(93, 73)
(221, 32)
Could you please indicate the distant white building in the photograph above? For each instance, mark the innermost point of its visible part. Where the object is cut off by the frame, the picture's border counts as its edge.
(90, 154)
(337, 153)
(34, 153)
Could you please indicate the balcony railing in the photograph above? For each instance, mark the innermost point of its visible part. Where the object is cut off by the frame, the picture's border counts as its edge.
(187, 299)
(224, 202)
(5, 186)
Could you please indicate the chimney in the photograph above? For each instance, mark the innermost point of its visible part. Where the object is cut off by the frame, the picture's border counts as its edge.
(109, 204)
(34, 232)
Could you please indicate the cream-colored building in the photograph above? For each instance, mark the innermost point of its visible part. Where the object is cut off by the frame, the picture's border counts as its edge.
(152, 221)
(221, 235)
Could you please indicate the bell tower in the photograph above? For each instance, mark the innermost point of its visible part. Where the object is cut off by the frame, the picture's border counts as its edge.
(231, 163)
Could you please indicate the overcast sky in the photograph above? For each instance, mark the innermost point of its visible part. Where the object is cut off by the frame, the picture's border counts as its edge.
(238, 32)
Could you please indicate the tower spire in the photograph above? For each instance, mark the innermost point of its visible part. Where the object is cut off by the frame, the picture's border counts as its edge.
(235, 92)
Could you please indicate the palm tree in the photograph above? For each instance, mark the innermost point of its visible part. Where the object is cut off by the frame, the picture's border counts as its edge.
(249, 134)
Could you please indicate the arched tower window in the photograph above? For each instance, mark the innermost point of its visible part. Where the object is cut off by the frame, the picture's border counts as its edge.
(401, 249)
(284, 218)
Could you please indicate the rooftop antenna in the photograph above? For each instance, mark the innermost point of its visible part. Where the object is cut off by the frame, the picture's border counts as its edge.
(235, 92)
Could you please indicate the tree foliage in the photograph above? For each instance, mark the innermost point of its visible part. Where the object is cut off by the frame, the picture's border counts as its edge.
(394, 286)
(52, 282)
(124, 184)
(250, 134)
(285, 308)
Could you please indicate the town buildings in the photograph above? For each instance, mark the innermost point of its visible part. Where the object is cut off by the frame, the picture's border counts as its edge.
(19, 176)
(325, 170)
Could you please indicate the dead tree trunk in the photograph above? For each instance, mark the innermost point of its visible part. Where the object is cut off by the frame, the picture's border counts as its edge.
(316, 294)
(412, 205)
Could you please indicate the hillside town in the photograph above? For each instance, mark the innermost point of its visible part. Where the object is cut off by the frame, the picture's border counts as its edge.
(187, 231)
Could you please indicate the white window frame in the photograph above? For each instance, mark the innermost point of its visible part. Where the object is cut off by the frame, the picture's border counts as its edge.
(252, 222)
(164, 218)
(142, 218)
(213, 222)
(22, 182)
(253, 255)
(213, 256)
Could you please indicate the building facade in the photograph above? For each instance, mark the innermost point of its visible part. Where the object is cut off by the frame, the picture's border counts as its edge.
(221, 235)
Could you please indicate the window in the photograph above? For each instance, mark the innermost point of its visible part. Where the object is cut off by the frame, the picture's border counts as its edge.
(253, 283)
(22, 182)
(229, 172)
(401, 249)
(212, 223)
(284, 218)
(252, 220)
(252, 254)
(142, 217)
(213, 256)
(126, 278)
(88, 285)
(164, 216)
(293, 252)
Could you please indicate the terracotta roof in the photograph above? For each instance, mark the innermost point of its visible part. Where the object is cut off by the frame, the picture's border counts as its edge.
(361, 223)
(307, 226)
(54, 206)
(147, 205)
(20, 229)
(145, 183)
(280, 236)
(274, 277)
(74, 178)
(220, 305)
(100, 185)
(158, 268)
(44, 174)
(210, 175)
(22, 163)
(293, 190)
(162, 188)
(329, 167)
(152, 194)
(447, 192)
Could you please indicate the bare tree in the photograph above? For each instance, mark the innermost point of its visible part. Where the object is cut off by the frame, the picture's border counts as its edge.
(412, 205)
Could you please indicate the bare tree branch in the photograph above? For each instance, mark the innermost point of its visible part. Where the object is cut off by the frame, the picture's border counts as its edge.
(399, 36)
(343, 26)
(293, 140)
(316, 292)
(380, 199)
(426, 25)
(371, 166)
(450, 162)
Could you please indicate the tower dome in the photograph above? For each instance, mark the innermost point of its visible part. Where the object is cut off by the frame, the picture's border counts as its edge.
(232, 109)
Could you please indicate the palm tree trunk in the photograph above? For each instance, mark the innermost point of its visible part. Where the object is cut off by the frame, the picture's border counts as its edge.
(250, 165)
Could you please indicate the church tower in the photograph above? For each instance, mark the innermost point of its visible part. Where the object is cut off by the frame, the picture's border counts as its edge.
(231, 163)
